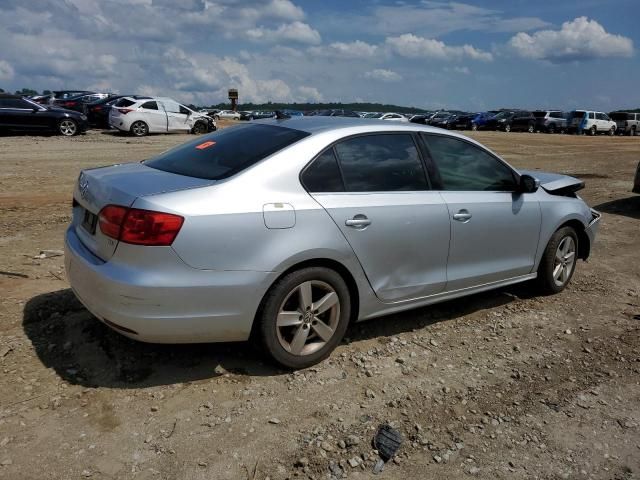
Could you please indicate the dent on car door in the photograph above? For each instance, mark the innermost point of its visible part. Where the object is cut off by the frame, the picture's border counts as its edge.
(494, 229)
(376, 191)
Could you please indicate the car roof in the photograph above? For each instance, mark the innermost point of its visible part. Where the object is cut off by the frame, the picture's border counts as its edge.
(318, 124)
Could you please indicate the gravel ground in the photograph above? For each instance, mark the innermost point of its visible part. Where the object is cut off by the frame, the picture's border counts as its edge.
(499, 385)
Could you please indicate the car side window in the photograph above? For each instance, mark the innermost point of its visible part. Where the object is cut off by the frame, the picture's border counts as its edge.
(149, 105)
(381, 163)
(323, 175)
(184, 110)
(14, 103)
(466, 167)
(592, 115)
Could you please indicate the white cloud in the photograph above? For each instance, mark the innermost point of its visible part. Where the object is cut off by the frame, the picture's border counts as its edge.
(6, 70)
(579, 39)
(350, 50)
(283, 9)
(309, 94)
(413, 46)
(295, 32)
(383, 75)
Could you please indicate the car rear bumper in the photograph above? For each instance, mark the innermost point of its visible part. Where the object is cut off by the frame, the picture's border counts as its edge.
(166, 301)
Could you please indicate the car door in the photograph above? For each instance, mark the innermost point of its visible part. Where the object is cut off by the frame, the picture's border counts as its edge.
(177, 118)
(494, 229)
(381, 202)
(154, 116)
(17, 113)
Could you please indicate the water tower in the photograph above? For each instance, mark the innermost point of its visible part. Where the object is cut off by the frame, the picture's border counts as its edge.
(233, 96)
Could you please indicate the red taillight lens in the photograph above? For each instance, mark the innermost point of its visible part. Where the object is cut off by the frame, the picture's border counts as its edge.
(96, 109)
(124, 111)
(69, 104)
(140, 227)
(110, 219)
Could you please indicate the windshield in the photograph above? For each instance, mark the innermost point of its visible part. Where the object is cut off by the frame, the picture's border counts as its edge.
(503, 115)
(226, 152)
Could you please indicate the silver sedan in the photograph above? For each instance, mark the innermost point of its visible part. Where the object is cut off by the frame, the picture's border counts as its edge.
(290, 229)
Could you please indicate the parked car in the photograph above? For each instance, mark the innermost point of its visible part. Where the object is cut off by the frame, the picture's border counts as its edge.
(260, 115)
(393, 117)
(293, 228)
(550, 121)
(245, 115)
(227, 115)
(157, 115)
(21, 114)
(437, 118)
(42, 99)
(98, 111)
(627, 123)
(293, 113)
(512, 120)
(337, 113)
(479, 122)
(461, 121)
(591, 122)
(80, 103)
(636, 180)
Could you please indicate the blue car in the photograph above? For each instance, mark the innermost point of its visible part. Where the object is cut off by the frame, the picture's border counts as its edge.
(481, 119)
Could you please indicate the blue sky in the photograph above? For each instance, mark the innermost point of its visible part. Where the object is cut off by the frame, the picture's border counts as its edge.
(426, 53)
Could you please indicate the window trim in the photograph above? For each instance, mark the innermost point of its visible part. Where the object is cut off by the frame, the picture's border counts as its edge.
(414, 137)
(516, 175)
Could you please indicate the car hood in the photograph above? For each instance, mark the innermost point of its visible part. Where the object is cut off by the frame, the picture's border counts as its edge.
(62, 110)
(555, 182)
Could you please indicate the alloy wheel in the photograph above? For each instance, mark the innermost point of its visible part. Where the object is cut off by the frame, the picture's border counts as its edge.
(68, 128)
(565, 261)
(308, 317)
(139, 129)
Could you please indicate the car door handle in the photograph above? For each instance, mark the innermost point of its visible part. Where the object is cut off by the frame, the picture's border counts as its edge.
(358, 221)
(462, 216)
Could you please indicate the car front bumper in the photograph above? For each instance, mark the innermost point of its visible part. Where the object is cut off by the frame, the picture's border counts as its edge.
(592, 227)
(166, 301)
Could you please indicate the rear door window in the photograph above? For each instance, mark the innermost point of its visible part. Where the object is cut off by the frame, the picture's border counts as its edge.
(226, 152)
(381, 163)
(150, 105)
(124, 102)
(466, 167)
(15, 103)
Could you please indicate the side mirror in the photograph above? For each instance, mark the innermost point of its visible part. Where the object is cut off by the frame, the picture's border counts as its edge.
(528, 184)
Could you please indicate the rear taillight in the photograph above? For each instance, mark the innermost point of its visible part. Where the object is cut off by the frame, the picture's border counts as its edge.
(69, 104)
(124, 111)
(96, 109)
(139, 227)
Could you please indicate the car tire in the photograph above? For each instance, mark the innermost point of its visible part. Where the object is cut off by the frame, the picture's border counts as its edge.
(632, 132)
(612, 132)
(300, 342)
(139, 129)
(531, 128)
(558, 261)
(507, 128)
(474, 127)
(68, 127)
(216, 117)
(200, 128)
(593, 131)
(551, 128)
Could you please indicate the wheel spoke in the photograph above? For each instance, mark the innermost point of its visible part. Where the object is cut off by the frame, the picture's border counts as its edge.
(322, 329)
(325, 303)
(559, 256)
(569, 256)
(288, 319)
(557, 271)
(299, 340)
(565, 274)
(304, 291)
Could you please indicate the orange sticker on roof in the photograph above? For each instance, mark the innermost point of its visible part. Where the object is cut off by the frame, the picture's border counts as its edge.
(204, 145)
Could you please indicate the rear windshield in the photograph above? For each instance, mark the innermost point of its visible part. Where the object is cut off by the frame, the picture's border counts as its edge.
(620, 116)
(124, 102)
(227, 151)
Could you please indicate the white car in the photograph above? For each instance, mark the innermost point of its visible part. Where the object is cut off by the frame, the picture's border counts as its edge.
(157, 115)
(227, 115)
(591, 122)
(394, 117)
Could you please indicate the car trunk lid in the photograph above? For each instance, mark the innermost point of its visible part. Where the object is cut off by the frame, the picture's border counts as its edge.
(118, 185)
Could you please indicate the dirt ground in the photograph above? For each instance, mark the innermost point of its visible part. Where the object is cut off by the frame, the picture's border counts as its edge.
(499, 385)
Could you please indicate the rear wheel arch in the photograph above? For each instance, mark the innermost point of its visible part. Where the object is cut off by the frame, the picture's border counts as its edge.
(331, 264)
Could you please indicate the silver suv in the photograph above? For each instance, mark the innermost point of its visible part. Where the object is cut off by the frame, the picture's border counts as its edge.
(627, 123)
